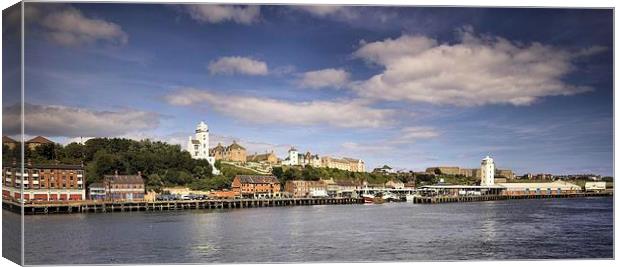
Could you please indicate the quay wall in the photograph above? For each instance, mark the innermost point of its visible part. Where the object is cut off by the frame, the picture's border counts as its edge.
(452, 198)
(131, 206)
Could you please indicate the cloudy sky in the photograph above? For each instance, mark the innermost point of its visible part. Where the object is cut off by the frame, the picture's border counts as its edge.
(407, 87)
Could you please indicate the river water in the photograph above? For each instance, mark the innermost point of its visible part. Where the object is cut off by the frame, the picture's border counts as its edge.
(515, 229)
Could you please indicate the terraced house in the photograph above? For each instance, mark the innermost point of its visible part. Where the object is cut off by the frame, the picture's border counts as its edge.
(256, 186)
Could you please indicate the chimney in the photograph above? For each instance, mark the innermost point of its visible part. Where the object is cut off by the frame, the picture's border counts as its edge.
(116, 173)
(29, 162)
(140, 173)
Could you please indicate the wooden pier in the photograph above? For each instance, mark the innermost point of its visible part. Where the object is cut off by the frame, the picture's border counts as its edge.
(130, 206)
(452, 198)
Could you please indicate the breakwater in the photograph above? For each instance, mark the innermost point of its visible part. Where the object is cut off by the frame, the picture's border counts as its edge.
(451, 198)
(129, 206)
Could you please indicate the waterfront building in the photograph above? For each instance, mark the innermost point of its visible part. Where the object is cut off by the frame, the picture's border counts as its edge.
(198, 145)
(124, 187)
(409, 185)
(96, 191)
(340, 188)
(44, 182)
(233, 152)
(460, 190)
(9, 142)
(224, 195)
(595, 186)
(551, 188)
(300, 188)
(269, 158)
(487, 170)
(37, 141)
(256, 186)
(395, 184)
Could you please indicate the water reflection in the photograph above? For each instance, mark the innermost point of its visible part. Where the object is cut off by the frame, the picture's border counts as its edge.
(402, 231)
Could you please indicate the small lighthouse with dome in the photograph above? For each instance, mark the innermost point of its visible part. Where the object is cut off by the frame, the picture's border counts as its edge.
(198, 145)
(487, 171)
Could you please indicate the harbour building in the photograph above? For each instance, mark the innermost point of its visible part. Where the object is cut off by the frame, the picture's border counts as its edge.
(43, 182)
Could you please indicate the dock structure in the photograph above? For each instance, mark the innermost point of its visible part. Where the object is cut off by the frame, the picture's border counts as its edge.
(33, 208)
(452, 198)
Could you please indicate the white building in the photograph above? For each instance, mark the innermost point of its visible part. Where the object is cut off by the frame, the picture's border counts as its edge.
(198, 145)
(293, 157)
(487, 172)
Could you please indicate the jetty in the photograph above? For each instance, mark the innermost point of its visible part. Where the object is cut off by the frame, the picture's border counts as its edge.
(57, 207)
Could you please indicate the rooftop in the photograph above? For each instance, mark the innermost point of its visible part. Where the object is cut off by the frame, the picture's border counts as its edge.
(39, 140)
(257, 179)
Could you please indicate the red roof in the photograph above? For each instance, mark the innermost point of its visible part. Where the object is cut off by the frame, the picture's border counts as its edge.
(6, 139)
(40, 140)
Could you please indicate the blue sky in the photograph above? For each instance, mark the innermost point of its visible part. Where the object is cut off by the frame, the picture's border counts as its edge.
(407, 87)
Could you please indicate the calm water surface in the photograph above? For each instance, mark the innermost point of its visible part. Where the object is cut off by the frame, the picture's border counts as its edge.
(516, 229)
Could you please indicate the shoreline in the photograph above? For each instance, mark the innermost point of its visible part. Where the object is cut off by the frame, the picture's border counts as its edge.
(137, 206)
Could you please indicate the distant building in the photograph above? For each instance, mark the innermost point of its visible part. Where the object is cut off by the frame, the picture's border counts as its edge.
(9, 142)
(97, 191)
(44, 182)
(256, 186)
(504, 173)
(233, 152)
(266, 158)
(294, 158)
(356, 165)
(347, 164)
(198, 146)
(124, 187)
(487, 169)
(300, 188)
(37, 141)
(451, 170)
(385, 170)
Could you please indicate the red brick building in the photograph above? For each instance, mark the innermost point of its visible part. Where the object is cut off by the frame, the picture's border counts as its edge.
(44, 182)
(256, 186)
(124, 187)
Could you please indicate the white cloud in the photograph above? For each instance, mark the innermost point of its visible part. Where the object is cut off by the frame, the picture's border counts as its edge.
(477, 70)
(242, 65)
(222, 13)
(344, 113)
(412, 134)
(324, 78)
(332, 11)
(64, 121)
(70, 27)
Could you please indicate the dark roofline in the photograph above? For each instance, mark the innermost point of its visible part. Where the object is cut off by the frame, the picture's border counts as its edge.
(49, 166)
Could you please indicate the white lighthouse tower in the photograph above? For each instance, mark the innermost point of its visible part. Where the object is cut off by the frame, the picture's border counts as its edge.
(198, 145)
(487, 172)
